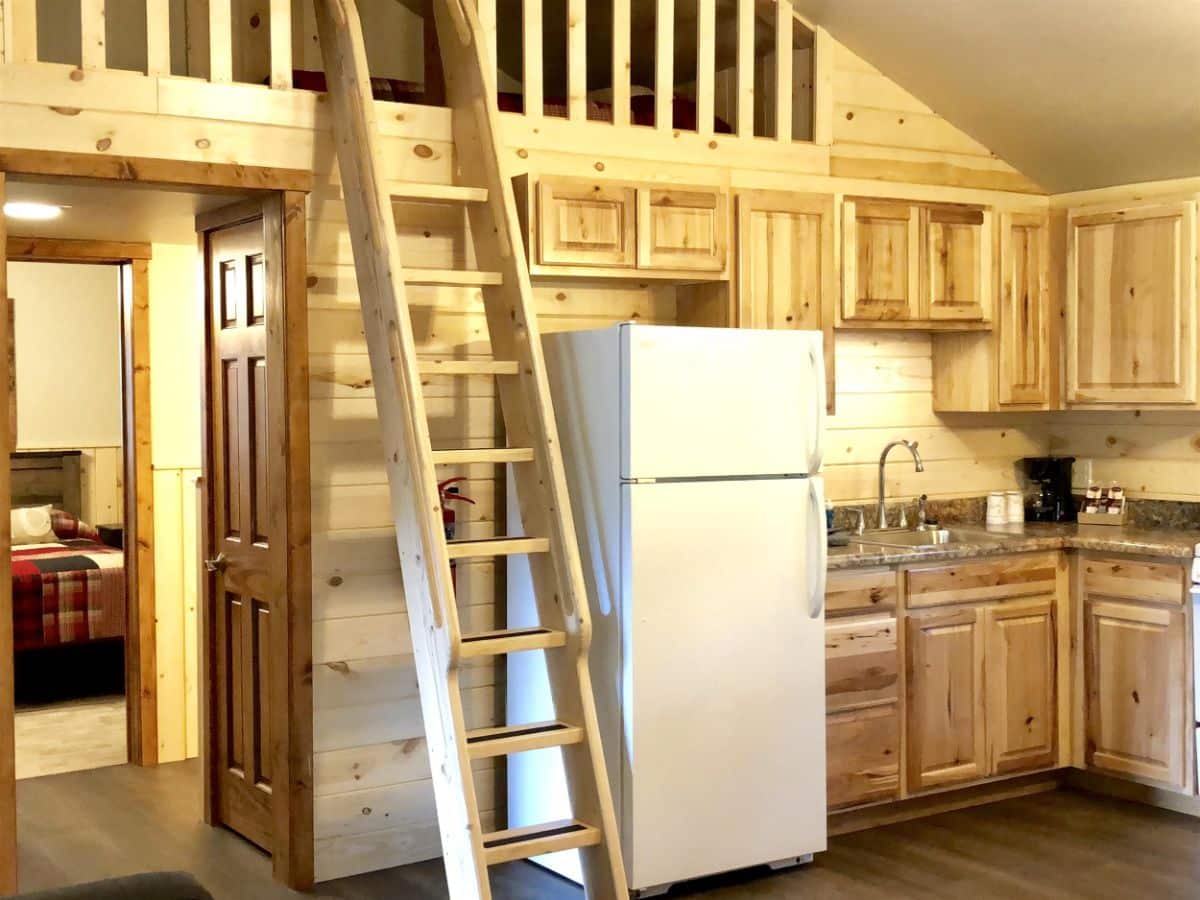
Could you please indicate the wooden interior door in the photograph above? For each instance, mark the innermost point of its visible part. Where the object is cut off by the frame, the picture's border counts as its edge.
(257, 618)
(945, 727)
(248, 566)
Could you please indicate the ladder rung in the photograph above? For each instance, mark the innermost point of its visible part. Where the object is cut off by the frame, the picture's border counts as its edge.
(510, 640)
(417, 190)
(464, 277)
(495, 367)
(502, 546)
(486, 742)
(483, 455)
(522, 843)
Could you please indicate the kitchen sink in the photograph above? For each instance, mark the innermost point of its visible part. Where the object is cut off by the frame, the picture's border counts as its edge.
(904, 537)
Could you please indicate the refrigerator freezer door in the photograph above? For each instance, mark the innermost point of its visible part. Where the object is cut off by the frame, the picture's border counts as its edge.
(724, 711)
(713, 402)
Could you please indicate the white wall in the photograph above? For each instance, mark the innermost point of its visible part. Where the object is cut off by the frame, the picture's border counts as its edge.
(68, 328)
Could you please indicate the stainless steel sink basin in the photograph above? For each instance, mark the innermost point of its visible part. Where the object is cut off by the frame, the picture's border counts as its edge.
(903, 537)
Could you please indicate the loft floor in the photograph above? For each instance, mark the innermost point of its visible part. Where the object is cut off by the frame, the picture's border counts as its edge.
(87, 825)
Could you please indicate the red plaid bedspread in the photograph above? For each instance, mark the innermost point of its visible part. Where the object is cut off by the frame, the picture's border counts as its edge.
(66, 592)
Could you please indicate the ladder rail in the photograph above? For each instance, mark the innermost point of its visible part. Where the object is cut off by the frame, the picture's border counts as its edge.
(415, 505)
(529, 420)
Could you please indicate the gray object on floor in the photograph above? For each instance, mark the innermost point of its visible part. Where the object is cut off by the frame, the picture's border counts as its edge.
(146, 886)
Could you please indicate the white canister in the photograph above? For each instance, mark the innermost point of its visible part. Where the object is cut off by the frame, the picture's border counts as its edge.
(1014, 507)
(997, 512)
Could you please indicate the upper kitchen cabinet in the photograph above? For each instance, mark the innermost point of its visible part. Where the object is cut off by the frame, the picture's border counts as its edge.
(1012, 366)
(1131, 305)
(881, 262)
(914, 265)
(786, 266)
(603, 228)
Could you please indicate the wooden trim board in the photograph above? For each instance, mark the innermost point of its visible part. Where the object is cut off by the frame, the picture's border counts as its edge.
(8, 776)
(194, 175)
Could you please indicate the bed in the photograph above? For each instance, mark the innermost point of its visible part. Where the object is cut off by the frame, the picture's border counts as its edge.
(70, 587)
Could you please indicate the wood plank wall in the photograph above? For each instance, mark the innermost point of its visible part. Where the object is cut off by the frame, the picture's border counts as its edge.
(374, 804)
(884, 392)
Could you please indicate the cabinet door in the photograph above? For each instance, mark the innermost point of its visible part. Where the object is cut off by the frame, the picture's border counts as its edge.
(1131, 306)
(786, 273)
(1023, 319)
(585, 223)
(862, 706)
(1137, 713)
(682, 228)
(880, 260)
(1020, 654)
(957, 264)
(945, 725)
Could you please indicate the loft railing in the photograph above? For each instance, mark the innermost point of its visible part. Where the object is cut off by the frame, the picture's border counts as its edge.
(736, 67)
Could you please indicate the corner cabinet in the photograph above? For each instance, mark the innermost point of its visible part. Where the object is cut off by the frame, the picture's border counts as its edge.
(786, 266)
(1131, 305)
(1138, 709)
(612, 229)
(1012, 367)
(914, 265)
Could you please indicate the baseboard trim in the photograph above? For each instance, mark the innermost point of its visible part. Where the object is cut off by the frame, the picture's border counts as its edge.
(1094, 783)
(947, 801)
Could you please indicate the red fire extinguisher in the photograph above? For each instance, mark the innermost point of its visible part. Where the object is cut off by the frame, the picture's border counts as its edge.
(448, 494)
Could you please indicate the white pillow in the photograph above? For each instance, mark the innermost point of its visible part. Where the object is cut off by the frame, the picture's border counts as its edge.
(31, 525)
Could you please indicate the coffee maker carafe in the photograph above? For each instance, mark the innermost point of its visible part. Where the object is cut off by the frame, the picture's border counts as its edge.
(1052, 474)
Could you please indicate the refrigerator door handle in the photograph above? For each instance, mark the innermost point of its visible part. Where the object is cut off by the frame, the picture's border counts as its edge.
(818, 555)
(816, 363)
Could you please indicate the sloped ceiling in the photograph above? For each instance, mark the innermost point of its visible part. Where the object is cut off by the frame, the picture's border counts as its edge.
(1075, 94)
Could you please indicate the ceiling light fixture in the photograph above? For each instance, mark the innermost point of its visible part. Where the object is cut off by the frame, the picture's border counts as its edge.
(35, 212)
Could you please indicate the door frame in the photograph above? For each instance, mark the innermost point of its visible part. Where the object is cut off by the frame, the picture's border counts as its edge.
(292, 863)
(132, 261)
(283, 215)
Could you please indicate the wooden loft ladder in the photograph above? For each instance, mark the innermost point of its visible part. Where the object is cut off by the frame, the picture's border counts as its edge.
(439, 647)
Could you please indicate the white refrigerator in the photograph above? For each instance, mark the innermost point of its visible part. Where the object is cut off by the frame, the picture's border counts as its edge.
(693, 457)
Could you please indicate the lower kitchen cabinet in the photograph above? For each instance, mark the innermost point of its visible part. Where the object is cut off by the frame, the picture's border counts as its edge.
(862, 676)
(1135, 662)
(982, 672)
(945, 697)
(1019, 652)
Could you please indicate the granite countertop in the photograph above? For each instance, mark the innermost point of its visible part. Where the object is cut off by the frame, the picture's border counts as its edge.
(978, 540)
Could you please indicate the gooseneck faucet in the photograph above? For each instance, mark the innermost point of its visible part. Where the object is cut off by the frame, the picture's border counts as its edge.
(911, 446)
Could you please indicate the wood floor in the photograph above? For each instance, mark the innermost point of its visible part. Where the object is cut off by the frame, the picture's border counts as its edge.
(70, 736)
(87, 825)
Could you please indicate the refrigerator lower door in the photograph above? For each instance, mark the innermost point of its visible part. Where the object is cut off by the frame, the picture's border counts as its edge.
(724, 679)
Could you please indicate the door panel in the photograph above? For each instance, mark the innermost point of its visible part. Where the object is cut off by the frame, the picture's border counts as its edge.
(957, 264)
(1021, 685)
(945, 698)
(1024, 315)
(881, 260)
(250, 571)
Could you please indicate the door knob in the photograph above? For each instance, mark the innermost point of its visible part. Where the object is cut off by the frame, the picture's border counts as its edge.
(218, 564)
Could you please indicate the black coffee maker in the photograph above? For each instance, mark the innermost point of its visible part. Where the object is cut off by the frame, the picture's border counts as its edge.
(1054, 502)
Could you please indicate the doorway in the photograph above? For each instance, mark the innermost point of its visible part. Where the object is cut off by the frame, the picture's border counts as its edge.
(275, 583)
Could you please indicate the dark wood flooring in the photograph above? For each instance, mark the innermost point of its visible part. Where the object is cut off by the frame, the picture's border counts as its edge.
(88, 825)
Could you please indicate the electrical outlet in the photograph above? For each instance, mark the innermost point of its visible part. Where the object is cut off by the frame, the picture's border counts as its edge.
(1082, 473)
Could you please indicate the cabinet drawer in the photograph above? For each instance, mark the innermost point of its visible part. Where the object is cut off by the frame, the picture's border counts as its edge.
(860, 590)
(682, 228)
(993, 579)
(1156, 582)
(585, 223)
(861, 664)
(862, 748)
